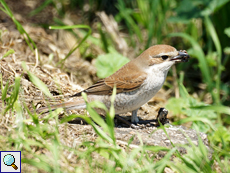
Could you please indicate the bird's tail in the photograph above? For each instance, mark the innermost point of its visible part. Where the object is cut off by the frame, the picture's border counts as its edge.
(76, 104)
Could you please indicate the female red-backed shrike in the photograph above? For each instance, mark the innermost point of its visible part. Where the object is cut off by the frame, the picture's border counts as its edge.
(136, 82)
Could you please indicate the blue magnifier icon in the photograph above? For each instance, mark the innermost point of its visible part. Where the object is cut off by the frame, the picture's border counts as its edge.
(9, 160)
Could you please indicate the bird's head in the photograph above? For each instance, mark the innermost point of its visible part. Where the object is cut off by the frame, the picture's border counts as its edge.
(162, 57)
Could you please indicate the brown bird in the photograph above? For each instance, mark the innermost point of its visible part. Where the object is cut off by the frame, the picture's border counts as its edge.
(136, 82)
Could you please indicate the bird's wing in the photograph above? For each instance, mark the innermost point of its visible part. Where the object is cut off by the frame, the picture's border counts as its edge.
(126, 79)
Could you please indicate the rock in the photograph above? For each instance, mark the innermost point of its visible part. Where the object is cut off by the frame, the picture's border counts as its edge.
(157, 137)
(150, 136)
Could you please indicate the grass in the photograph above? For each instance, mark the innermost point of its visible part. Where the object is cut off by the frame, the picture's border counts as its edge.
(77, 45)
(22, 31)
(39, 139)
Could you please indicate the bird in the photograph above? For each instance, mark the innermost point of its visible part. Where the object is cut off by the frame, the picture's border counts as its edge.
(136, 82)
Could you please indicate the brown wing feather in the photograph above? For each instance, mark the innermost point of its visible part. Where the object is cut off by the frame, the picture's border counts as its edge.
(126, 79)
(99, 88)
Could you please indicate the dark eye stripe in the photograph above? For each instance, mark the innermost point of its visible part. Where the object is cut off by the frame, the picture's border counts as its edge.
(164, 57)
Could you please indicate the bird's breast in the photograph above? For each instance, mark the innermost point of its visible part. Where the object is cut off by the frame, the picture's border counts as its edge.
(130, 101)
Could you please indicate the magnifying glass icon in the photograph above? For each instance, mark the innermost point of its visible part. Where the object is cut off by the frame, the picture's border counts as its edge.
(9, 160)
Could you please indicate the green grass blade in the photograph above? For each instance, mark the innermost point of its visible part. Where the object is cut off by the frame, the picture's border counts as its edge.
(22, 31)
(4, 91)
(97, 129)
(191, 119)
(16, 88)
(155, 148)
(183, 92)
(14, 95)
(77, 45)
(41, 7)
(94, 115)
(132, 26)
(37, 82)
(217, 44)
(104, 39)
(11, 51)
(216, 108)
(69, 118)
(160, 165)
(110, 117)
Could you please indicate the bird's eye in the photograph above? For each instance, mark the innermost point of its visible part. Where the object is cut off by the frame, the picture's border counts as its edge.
(164, 57)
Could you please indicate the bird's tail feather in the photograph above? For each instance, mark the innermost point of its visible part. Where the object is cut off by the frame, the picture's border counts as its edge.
(76, 104)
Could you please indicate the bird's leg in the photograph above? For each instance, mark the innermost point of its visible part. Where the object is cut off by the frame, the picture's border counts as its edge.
(134, 118)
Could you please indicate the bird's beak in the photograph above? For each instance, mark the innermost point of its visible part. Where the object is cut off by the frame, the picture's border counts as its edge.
(182, 56)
